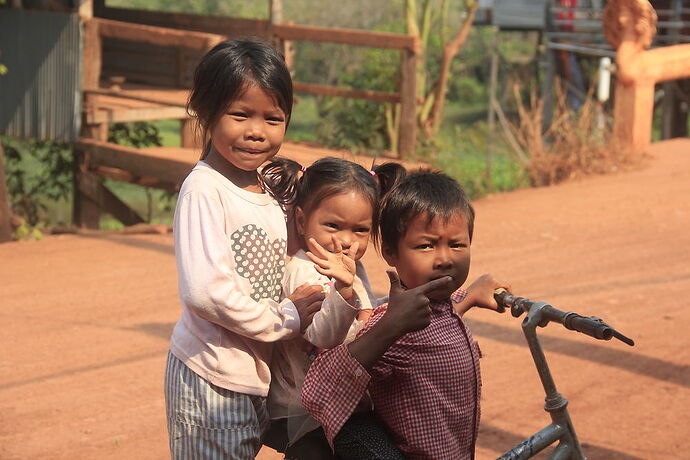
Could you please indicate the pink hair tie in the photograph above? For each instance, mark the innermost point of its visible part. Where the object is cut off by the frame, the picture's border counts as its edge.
(373, 173)
(303, 169)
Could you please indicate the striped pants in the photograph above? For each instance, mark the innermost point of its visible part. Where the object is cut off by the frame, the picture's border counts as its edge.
(209, 422)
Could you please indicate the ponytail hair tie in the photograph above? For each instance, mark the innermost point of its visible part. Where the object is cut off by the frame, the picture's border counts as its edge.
(303, 169)
(373, 173)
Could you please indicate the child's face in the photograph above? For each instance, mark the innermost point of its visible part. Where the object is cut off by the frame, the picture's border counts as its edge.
(345, 215)
(427, 252)
(251, 131)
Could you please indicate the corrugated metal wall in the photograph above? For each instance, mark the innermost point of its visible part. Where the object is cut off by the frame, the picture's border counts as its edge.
(520, 14)
(40, 96)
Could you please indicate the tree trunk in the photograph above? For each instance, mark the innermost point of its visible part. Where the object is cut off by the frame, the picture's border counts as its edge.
(5, 227)
(450, 49)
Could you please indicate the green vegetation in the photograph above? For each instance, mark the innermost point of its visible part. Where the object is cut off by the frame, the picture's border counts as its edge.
(460, 146)
(39, 182)
(155, 206)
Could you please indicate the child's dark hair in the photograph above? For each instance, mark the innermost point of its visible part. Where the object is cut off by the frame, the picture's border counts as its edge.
(226, 70)
(327, 177)
(423, 192)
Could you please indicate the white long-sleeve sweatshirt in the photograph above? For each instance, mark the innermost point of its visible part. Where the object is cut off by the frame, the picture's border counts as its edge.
(230, 248)
(331, 326)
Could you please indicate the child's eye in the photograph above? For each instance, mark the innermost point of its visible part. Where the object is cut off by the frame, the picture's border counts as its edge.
(238, 114)
(275, 120)
(423, 246)
(458, 245)
(363, 230)
(331, 225)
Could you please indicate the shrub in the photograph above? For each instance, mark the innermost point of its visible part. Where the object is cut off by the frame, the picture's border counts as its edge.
(577, 143)
(38, 174)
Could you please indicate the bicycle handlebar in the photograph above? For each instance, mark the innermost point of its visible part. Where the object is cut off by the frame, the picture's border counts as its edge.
(590, 325)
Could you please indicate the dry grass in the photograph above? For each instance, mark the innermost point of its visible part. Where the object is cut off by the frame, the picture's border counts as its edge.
(575, 145)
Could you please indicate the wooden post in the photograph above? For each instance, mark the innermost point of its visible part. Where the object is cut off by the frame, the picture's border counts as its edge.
(5, 215)
(284, 46)
(493, 86)
(275, 15)
(91, 60)
(407, 126)
(86, 9)
(549, 64)
(94, 191)
(93, 130)
(632, 115)
(276, 12)
(680, 111)
(188, 134)
(85, 213)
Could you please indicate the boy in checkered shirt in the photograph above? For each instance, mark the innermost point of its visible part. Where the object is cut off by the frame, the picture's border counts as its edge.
(416, 357)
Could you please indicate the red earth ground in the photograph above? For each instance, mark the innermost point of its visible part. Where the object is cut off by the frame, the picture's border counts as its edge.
(85, 321)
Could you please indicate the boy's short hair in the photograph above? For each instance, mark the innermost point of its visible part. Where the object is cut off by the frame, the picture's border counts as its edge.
(424, 191)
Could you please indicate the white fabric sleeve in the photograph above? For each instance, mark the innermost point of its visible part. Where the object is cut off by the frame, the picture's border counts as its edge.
(209, 285)
(330, 325)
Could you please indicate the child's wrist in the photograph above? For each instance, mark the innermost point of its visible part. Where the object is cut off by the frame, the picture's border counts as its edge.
(346, 293)
(345, 290)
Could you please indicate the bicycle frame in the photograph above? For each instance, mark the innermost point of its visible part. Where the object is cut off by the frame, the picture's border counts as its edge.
(561, 427)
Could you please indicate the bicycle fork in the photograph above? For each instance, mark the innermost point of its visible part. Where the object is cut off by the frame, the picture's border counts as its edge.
(561, 427)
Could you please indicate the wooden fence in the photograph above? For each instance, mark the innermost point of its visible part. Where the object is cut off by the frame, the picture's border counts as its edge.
(162, 49)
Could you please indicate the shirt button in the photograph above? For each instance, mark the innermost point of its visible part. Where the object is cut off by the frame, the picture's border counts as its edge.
(358, 373)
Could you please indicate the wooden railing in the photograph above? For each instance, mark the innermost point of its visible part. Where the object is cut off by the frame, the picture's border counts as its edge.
(193, 34)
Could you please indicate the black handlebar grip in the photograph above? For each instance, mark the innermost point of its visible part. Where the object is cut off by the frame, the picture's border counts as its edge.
(590, 326)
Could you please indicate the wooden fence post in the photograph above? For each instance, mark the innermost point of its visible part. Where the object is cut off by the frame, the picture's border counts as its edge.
(5, 227)
(407, 126)
(85, 213)
(188, 138)
(91, 60)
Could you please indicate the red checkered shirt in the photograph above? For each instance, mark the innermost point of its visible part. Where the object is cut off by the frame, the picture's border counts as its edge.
(426, 387)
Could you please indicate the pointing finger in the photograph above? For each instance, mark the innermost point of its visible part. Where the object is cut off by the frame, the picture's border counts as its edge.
(434, 284)
(317, 249)
(316, 259)
(353, 250)
(337, 247)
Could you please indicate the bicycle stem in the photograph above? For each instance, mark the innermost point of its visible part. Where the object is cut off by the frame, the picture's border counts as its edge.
(555, 403)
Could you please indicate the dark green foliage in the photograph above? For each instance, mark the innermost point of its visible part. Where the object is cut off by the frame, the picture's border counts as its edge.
(38, 173)
(360, 124)
(139, 134)
(143, 134)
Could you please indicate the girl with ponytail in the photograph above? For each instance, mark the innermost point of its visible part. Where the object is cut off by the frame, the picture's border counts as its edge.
(335, 206)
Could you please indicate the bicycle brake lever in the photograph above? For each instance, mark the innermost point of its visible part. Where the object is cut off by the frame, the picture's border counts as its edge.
(623, 338)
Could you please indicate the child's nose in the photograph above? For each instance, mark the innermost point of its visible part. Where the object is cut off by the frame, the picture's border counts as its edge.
(345, 240)
(442, 259)
(254, 131)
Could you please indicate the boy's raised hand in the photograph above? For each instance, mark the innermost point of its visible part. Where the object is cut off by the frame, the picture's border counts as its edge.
(307, 299)
(480, 293)
(409, 309)
(337, 265)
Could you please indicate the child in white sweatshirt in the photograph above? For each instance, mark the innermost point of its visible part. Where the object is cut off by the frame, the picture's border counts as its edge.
(335, 213)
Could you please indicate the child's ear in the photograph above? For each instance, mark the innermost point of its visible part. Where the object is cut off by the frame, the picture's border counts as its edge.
(300, 221)
(388, 255)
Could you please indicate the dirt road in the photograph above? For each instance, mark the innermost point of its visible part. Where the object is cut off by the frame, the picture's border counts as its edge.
(85, 322)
